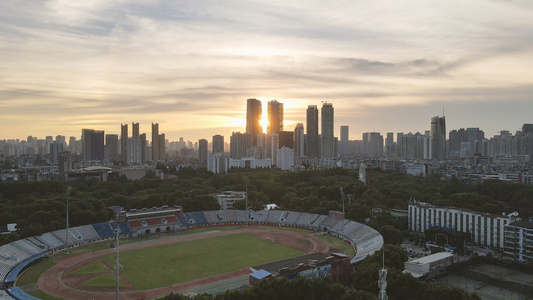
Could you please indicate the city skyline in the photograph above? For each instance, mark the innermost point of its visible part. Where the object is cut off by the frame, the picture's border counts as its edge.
(190, 67)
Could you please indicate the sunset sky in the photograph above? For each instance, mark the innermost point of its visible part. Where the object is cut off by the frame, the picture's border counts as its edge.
(386, 66)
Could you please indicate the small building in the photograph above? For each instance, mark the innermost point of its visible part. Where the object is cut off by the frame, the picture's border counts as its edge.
(227, 199)
(337, 266)
(431, 265)
(154, 220)
(519, 241)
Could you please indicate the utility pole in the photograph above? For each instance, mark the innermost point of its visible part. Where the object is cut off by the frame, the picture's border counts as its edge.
(69, 190)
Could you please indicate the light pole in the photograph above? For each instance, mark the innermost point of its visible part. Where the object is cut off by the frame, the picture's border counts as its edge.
(118, 278)
(69, 190)
(342, 232)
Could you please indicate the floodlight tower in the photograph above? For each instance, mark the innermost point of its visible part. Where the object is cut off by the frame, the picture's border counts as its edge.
(383, 281)
(69, 190)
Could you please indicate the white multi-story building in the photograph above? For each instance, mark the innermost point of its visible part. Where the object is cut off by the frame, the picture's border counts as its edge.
(519, 241)
(227, 198)
(481, 228)
(285, 158)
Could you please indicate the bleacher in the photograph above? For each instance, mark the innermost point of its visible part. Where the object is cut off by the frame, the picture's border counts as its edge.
(107, 229)
(5, 296)
(273, 216)
(261, 216)
(242, 216)
(38, 242)
(154, 222)
(135, 224)
(317, 220)
(27, 246)
(86, 232)
(14, 272)
(51, 241)
(19, 294)
(211, 216)
(329, 222)
(292, 217)
(171, 220)
(230, 216)
(199, 217)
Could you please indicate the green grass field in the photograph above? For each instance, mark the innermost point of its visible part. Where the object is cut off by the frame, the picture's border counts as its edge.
(180, 262)
(31, 276)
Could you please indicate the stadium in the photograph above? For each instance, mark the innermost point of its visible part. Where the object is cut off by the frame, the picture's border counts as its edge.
(151, 268)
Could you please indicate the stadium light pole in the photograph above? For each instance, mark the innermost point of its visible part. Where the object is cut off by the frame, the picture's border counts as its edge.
(342, 233)
(69, 190)
(118, 278)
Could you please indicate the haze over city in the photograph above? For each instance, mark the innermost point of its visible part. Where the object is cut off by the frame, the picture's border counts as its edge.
(190, 66)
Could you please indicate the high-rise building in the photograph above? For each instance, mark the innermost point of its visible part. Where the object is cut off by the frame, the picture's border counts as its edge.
(142, 136)
(438, 137)
(327, 138)
(286, 139)
(253, 117)
(56, 148)
(345, 140)
(135, 129)
(134, 151)
(202, 152)
(92, 144)
(312, 149)
(299, 140)
(414, 146)
(275, 117)
(373, 144)
(239, 143)
(162, 146)
(124, 141)
(155, 142)
(111, 141)
(285, 158)
(218, 144)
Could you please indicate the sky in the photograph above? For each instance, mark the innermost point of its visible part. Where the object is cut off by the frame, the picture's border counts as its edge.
(386, 66)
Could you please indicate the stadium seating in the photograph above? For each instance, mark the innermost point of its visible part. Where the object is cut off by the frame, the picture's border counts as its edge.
(199, 217)
(211, 216)
(5, 296)
(329, 222)
(19, 294)
(291, 217)
(273, 216)
(135, 224)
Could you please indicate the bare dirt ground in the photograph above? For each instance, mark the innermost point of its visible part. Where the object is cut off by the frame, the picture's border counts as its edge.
(59, 282)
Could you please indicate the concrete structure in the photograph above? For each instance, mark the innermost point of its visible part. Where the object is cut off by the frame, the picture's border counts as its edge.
(250, 163)
(218, 144)
(327, 141)
(92, 144)
(438, 138)
(134, 151)
(285, 158)
(519, 241)
(431, 265)
(481, 228)
(253, 117)
(202, 152)
(154, 220)
(111, 142)
(275, 117)
(312, 147)
(299, 140)
(227, 198)
(372, 144)
(345, 140)
(239, 143)
(123, 141)
(218, 163)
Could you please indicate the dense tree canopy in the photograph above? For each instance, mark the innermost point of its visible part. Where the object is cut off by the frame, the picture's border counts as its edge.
(39, 207)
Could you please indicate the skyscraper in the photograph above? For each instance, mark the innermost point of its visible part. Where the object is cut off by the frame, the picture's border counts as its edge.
(202, 152)
(239, 143)
(124, 141)
(299, 140)
(155, 142)
(328, 140)
(218, 144)
(438, 137)
(92, 144)
(135, 129)
(111, 141)
(312, 131)
(253, 116)
(345, 142)
(275, 117)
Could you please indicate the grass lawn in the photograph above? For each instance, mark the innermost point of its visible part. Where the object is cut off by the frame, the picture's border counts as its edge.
(31, 276)
(42, 295)
(104, 280)
(180, 262)
(336, 242)
(95, 267)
